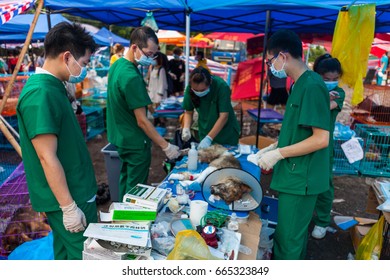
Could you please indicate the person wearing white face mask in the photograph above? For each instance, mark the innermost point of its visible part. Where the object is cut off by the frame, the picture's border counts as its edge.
(330, 70)
(300, 159)
(59, 170)
(128, 127)
(210, 96)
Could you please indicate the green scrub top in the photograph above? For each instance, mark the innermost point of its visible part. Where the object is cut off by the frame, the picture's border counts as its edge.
(126, 92)
(307, 107)
(215, 102)
(44, 108)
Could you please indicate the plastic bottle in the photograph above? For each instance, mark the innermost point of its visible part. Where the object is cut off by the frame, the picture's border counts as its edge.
(192, 158)
(233, 223)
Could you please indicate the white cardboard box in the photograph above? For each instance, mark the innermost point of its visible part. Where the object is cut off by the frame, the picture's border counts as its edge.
(145, 196)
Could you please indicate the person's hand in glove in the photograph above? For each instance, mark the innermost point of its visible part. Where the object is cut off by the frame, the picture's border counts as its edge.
(73, 218)
(185, 134)
(205, 143)
(172, 151)
(269, 159)
(266, 149)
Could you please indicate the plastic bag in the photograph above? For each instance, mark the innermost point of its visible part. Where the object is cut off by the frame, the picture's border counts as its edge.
(351, 50)
(189, 245)
(371, 245)
(39, 249)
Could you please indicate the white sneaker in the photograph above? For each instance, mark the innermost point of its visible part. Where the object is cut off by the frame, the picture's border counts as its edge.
(318, 232)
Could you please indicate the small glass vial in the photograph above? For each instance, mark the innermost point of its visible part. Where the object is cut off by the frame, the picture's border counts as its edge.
(233, 223)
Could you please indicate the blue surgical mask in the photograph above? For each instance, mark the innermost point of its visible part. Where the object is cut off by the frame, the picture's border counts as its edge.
(145, 61)
(175, 56)
(77, 79)
(281, 74)
(201, 93)
(331, 84)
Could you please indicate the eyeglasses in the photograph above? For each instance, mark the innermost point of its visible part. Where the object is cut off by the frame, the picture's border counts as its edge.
(269, 62)
(152, 56)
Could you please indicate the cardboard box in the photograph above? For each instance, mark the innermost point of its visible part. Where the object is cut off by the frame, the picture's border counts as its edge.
(145, 196)
(251, 140)
(360, 230)
(372, 202)
(250, 236)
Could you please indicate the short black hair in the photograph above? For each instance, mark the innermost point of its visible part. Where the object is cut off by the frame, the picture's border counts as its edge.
(326, 63)
(285, 40)
(200, 75)
(178, 51)
(200, 53)
(71, 37)
(141, 35)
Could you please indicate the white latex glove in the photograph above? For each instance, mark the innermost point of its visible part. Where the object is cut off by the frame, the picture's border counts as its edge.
(205, 143)
(172, 151)
(269, 159)
(73, 218)
(185, 134)
(253, 158)
(380, 74)
(266, 149)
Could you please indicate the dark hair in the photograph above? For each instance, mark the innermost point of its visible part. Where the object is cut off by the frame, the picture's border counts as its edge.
(68, 37)
(199, 75)
(200, 53)
(326, 63)
(177, 51)
(285, 41)
(141, 35)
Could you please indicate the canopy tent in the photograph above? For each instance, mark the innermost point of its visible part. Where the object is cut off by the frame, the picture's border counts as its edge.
(231, 36)
(170, 37)
(313, 16)
(20, 26)
(112, 37)
(9, 9)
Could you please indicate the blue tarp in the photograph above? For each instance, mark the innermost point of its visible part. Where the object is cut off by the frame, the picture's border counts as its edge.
(314, 16)
(112, 38)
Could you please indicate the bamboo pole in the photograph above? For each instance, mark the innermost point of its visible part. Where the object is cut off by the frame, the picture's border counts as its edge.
(3, 128)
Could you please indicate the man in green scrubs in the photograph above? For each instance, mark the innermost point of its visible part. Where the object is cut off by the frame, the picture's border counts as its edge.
(59, 170)
(128, 127)
(301, 158)
(210, 96)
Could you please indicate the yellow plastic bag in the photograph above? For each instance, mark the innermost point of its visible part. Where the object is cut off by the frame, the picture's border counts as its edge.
(371, 245)
(351, 45)
(189, 245)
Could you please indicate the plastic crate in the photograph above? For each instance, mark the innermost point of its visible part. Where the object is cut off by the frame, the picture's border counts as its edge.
(9, 160)
(341, 164)
(18, 222)
(4, 143)
(95, 121)
(376, 161)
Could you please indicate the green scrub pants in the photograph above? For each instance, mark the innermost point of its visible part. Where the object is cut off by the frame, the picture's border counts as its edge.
(324, 205)
(294, 215)
(135, 168)
(67, 245)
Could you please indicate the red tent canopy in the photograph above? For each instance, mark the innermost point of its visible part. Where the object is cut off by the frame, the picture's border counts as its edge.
(241, 37)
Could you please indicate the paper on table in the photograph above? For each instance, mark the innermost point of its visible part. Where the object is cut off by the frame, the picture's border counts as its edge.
(352, 150)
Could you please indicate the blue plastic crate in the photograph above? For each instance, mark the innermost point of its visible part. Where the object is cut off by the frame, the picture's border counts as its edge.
(341, 164)
(95, 121)
(4, 143)
(376, 161)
